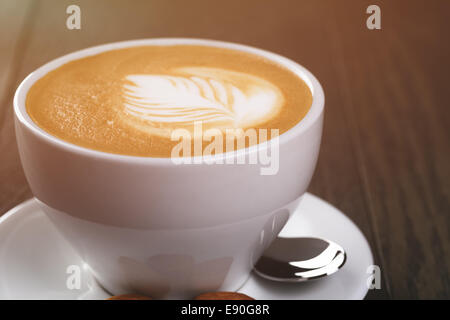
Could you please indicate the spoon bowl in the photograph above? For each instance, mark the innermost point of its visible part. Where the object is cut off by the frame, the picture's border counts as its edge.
(300, 259)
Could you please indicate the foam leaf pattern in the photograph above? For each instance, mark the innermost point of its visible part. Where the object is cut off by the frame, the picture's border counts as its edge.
(201, 94)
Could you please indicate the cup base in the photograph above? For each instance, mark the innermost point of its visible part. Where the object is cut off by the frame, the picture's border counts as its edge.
(35, 258)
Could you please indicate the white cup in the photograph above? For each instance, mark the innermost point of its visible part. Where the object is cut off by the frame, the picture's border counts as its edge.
(149, 226)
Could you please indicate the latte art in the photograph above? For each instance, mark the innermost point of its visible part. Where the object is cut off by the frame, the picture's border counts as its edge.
(132, 100)
(218, 98)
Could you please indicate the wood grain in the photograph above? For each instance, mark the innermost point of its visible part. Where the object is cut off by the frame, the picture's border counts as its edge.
(14, 34)
(385, 155)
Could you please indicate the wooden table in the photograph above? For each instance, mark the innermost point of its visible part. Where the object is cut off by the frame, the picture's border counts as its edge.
(385, 154)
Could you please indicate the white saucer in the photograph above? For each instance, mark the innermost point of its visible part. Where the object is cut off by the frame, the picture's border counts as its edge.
(34, 258)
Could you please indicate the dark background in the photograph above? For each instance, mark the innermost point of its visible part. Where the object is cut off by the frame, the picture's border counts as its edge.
(385, 155)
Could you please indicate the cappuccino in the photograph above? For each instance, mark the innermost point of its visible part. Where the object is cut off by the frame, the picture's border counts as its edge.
(129, 101)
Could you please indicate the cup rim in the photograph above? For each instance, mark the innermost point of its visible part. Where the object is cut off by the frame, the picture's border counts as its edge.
(313, 114)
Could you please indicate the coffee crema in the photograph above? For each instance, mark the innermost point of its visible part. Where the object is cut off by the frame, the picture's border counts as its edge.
(129, 101)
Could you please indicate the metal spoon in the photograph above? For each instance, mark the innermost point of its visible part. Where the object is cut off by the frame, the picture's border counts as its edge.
(300, 259)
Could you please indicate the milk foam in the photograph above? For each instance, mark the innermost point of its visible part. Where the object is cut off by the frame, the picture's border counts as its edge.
(134, 101)
(217, 97)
